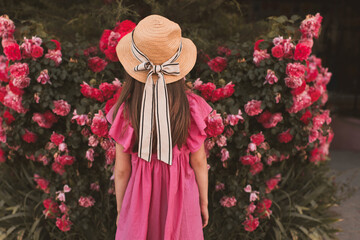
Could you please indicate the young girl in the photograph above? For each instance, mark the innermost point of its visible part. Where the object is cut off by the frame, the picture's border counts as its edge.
(161, 175)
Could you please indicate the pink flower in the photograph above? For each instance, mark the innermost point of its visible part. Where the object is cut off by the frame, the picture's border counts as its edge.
(80, 119)
(226, 201)
(221, 141)
(295, 69)
(224, 154)
(219, 186)
(253, 107)
(270, 77)
(44, 77)
(95, 186)
(259, 54)
(90, 154)
(251, 147)
(251, 208)
(19, 69)
(7, 26)
(21, 82)
(215, 125)
(62, 108)
(54, 55)
(310, 26)
(251, 223)
(217, 64)
(86, 201)
(293, 82)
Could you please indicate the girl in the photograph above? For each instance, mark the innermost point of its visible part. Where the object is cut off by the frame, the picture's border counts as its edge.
(161, 175)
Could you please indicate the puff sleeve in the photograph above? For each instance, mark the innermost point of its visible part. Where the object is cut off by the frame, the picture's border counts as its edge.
(199, 110)
(121, 130)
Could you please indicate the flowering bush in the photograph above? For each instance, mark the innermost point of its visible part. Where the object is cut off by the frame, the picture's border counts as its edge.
(267, 142)
(279, 148)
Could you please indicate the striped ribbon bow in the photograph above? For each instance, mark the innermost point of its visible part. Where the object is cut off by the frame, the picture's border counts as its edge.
(155, 100)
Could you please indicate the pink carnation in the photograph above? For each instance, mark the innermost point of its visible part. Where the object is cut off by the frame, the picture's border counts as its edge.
(86, 201)
(62, 108)
(253, 107)
(226, 201)
(215, 125)
(99, 125)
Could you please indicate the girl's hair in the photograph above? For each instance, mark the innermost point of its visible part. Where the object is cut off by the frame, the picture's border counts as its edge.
(131, 94)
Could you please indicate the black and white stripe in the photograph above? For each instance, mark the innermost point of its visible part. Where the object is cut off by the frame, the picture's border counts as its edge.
(155, 101)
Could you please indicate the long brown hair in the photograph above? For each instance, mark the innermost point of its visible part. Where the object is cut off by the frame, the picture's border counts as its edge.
(131, 94)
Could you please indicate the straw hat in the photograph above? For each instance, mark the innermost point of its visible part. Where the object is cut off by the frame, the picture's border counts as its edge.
(159, 39)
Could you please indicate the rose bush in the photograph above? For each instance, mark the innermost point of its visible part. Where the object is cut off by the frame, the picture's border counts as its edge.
(267, 144)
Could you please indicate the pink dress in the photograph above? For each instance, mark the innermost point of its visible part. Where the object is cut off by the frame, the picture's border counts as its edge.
(161, 201)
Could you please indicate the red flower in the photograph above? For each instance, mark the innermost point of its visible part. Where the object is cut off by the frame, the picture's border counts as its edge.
(57, 138)
(221, 50)
(9, 117)
(256, 45)
(97, 64)
(257, 138)
(314, 94)
(299, 90)
(58, 168)
(285, 136)
(51, 208)
(305, 118)
(12, 52)
(107, 89)
(278, 51)
(263, 208)
(302, 52)
(207, 90)
(124, 27)
(256, 168)
(251, 223)
(37, 51)
(29, 136)
(217, 64)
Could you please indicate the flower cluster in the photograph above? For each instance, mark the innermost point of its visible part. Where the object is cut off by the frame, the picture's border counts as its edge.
(101, 94)
(110, 38)
(213, 94)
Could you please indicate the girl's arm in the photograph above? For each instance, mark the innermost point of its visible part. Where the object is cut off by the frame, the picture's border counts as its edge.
(199, 163)
(122, 172)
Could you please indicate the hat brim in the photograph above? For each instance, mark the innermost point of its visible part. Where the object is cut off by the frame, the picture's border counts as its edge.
(186, 60)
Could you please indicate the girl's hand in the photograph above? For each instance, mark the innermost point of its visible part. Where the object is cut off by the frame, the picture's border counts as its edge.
(204, 215)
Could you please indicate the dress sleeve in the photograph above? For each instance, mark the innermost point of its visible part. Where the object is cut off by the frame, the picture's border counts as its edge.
(121, 130)
(199, 110)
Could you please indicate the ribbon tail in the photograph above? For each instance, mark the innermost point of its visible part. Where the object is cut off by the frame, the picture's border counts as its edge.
(164, 146)
(146, 121)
